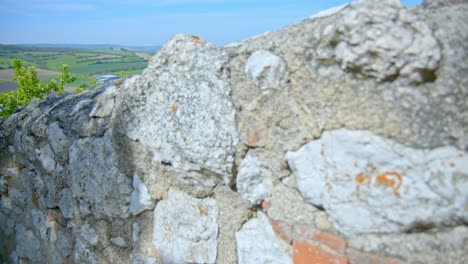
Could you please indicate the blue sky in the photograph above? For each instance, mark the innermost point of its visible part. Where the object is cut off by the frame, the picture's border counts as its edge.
(146, 22)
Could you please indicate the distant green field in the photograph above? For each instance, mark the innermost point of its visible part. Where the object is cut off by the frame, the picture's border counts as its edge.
(3, 81)
(85, 63)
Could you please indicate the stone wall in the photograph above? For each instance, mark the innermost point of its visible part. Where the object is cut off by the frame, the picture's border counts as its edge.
(339, 139)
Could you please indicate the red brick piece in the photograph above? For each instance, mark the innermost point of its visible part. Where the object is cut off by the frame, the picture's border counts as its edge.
(358, 257)
(336, 243)
(305, 253)
(283, 230)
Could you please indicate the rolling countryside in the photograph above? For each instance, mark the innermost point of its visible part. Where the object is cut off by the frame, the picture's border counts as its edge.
(85, 61)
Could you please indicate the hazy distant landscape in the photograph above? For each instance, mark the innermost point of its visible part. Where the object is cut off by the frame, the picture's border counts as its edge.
(86, 61)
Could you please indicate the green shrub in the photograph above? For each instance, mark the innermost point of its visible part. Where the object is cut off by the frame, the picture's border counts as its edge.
(30, 87)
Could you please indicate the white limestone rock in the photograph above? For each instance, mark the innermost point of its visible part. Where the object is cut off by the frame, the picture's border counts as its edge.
(330, 11)
(266, 69)
(382, 41)
(104, 103)
(254, 178)
(188, 121)
(258, 244)
(141, 199)
(369, 184)
(186, 229)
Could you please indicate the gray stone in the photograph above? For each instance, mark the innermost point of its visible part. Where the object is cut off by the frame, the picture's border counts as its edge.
(254, 179)
(66, 203)
(83, 255)
(7, 225)
(89, 234)
(142, 239)
(64, 243)
(118, 241)
(27, 245)
(141, 259)
(257, 243)
(96, 182)
(330, 11)
(140, 200)
(45, 156)
(3, 185)
(205, 131)
(104, 103)
(287, 205)
(40, 222)
(10, 172)
(58, 141)
(186, 229)
(386, 43)
(442, 3)
(368, 184)
(432, 246)
(233, 212)
(265, 69)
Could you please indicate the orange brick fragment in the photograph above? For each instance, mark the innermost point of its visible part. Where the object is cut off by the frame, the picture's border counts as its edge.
(21, 166)
(283, 230)
(174, 109)
(336, 243)
(305, 253)
(357, 257)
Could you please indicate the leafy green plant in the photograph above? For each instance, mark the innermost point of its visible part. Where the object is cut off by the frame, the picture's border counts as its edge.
(80, 89)
(30, 87)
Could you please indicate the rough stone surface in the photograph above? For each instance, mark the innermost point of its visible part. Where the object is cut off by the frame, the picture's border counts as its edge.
(189, 163)
(101, 188)
(287, 205)
(233, 212)
(442, 3)
(140, 200)
(382, 44)
(27, 245)
(188, 122)
(254, 179)
(433, 246)
(265, 69)
(330, 11)
(257, 243)
(186, 229)
(385, 186)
